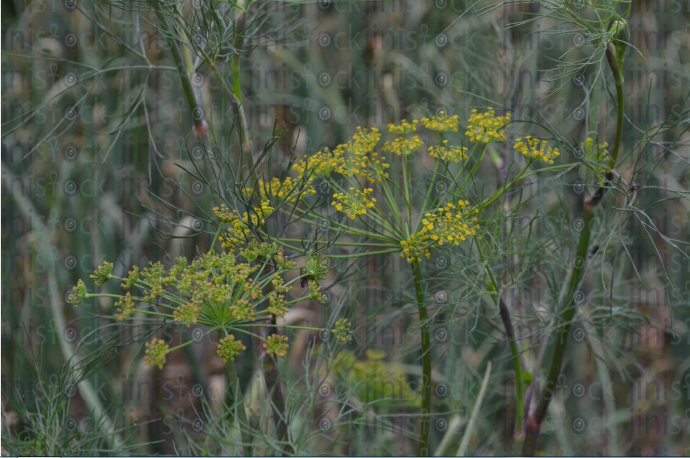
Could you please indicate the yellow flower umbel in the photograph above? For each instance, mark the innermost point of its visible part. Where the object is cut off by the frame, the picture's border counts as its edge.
(486, 127)
(187, 313)
(155, 353)
(451, 224)
(102, 273)
(276, 345)
(277, 305)
(125, 307)
(534, 148)
(220, 291)
(228, 348)
(78, 294)
(355, 202)
(319, 165)
(343, 330)
(403, 128)
(598, 154)
(448, 153)
(239, 230)
(402, 146)
(441, 123)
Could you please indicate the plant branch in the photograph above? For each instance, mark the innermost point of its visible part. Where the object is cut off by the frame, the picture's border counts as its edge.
(426, 360)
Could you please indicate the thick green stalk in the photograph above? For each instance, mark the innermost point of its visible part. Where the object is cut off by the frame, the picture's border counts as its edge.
(238, 402)
(240, 21)
(200, 123)
(614, 55)
(617, 70)
(567, 313)
(518, 432)
(426, 360)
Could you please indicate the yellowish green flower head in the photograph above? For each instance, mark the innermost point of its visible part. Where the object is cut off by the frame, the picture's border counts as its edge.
(187, 314)
(441, 123)
(451, 224)
(486, 127)
(259, 251)
(448, 153)
(360, 374)
(355, 202)
(318, 166)
(404, 128)
(402, 146)
(534, 148)
(78, 294)
(132, 278)
(156, 351)
(277, 345)
(598, 154)
(316, 293)
(125, 307)
(228, 348)
(316, 267)
(343, 330)
(102, 273)
(277, 305)
(239, 230)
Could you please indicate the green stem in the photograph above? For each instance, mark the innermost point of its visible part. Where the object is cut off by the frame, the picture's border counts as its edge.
(616, 69)
(406, 185)
(236, 393)
(187, 87)
(498, 195)
(240, 22)
(427, 199)
(518, 433)
(567, 313)
(367, 253)
(426, 360)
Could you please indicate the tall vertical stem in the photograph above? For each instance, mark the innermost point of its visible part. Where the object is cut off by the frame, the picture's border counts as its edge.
(518, 433)
(536, 417)
(426, 360)
(238, 403)
(567, 313)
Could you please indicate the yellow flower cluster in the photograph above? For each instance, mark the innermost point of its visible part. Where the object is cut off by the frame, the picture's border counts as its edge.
(441, 123)
(287, 189)
(242, 310)
(187, 313)
(402, 146)
(239, 229)
(319, 165)
(450, 224)
(600, 154)
(362, 160)
(355, 202)
(486, 127)
(156, 350)
(228, 348)
(277, 305)
(448, 153)
(78, 293)
(343, 330)
(276, 345)
(403, 128)
(125, 307)
(354, 158)
(536, 149)
(102, 273)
